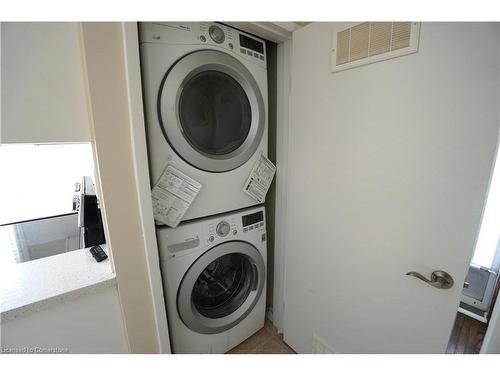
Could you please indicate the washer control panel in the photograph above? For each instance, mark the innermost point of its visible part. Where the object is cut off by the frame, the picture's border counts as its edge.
(225, 228)
(252, 221)
(246, 225)
(221, 228)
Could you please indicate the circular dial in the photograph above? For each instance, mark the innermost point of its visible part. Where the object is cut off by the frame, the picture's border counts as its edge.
(216, 34)
(223, 228)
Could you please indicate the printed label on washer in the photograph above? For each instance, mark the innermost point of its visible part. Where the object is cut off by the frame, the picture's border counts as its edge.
(260, 179)
(172, 195)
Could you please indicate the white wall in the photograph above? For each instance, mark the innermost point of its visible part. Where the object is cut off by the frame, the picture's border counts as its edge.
(43, 94)
(83, 323)
(390, 165)
(140, 163)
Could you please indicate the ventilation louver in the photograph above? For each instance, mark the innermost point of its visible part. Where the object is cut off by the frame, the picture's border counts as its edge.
(370, 42)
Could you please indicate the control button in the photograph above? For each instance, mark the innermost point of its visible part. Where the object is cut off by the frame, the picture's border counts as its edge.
(211, 238)
(242, 50)
(223, 228)
(202, 38)
(231, 45)
(245, 230)
(262, 224)
(235, 232)
(251, 227)
(250, 53)
(255, 54)
(216, 34)
(262, 57)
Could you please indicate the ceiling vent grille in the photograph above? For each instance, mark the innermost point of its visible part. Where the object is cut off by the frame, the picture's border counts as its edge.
(369, 42)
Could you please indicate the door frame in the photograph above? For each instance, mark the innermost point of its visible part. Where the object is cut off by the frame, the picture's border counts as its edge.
(283, 136)
(267, 31)
(137, 128)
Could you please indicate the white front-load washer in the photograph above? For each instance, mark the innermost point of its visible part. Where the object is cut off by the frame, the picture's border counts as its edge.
(205, 92)
(214, 280)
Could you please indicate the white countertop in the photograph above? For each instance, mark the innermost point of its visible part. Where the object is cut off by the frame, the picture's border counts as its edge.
(23, 286)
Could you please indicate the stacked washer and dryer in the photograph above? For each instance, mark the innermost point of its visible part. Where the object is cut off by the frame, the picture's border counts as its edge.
(205, 92)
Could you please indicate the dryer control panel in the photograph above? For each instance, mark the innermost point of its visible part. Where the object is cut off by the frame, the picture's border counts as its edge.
(206, 33)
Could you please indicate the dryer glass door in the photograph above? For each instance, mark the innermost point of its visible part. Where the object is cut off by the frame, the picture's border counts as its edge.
(221, 287)
(211, 110)
(214, 113)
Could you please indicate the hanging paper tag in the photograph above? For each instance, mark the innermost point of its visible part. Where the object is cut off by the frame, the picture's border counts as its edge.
(172, 195)
(260, 179)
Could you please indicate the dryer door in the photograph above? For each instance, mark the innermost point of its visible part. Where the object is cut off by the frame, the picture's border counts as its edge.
(211, 110)
(221, 287)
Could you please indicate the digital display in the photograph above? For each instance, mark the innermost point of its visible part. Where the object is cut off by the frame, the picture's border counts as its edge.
(252, 218)
(252, 44)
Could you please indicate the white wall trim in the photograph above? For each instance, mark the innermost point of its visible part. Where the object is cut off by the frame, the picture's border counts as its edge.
(141, 170)
(105, 57)
(490, 345)
(283, 167)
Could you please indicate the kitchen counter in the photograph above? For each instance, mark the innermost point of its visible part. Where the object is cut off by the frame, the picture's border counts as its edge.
(32, 285)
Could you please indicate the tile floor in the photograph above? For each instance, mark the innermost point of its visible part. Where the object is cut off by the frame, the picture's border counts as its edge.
(265, 341)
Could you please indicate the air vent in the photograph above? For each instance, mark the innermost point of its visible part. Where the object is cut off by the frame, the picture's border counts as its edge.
(369, 42)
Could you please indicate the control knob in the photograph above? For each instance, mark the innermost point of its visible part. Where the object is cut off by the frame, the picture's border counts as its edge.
(223, 228)
(216, 34)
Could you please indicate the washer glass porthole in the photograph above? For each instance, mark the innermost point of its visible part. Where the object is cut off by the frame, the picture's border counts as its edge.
(223, 286)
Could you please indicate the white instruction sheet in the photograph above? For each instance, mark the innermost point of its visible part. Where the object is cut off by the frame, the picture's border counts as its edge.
(172, 195)
(260, 179)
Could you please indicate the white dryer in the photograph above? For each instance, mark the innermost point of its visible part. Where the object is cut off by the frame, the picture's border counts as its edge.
(214, 279)
(205, 92)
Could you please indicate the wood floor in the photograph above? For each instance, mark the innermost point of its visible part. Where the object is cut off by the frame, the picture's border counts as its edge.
(467, 335)
(265, 341)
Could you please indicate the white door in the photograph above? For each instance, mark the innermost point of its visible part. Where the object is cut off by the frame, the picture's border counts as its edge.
(389, 169)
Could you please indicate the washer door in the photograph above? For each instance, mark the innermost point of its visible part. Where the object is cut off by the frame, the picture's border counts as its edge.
(211, 110)
(221, 287)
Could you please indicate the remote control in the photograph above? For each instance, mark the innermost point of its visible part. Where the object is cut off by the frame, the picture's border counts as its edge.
(98, 253)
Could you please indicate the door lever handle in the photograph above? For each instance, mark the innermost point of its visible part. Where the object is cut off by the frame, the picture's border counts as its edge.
(439, 279)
